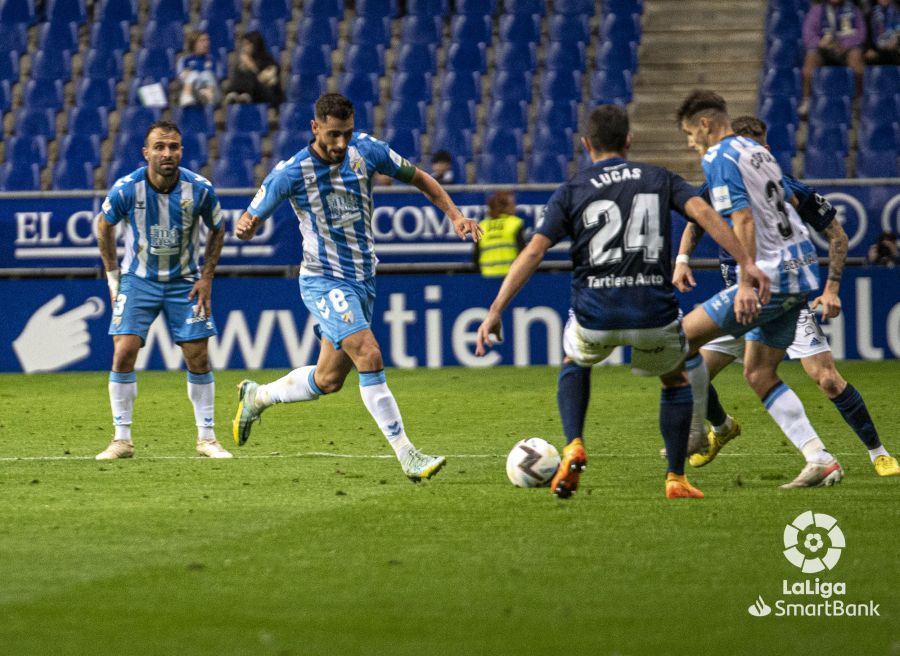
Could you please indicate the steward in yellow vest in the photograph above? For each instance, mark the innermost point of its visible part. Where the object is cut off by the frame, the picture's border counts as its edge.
(504, 236)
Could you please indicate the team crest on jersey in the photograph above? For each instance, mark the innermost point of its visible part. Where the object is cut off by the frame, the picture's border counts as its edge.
(187, 205)
(357, 163)
(107, 206)
(347, 317)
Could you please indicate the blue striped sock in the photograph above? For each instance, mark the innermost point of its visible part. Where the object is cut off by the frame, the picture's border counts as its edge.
(854, 411)
(675, 408)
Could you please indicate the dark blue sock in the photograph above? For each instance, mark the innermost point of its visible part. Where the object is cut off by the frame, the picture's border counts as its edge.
(715, 413)
(853, 409)
(675, 407)
(572, 396)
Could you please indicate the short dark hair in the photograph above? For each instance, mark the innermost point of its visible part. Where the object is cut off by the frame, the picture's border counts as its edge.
(751, 127)
(165, 126)
(702, 101)
(606, 127)
(333, 104)
(441, 156)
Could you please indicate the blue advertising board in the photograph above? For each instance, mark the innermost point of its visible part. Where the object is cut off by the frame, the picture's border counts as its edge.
(420, 321)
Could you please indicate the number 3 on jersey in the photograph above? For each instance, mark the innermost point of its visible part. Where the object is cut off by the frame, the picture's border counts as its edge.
(642, 230)
(338, 302)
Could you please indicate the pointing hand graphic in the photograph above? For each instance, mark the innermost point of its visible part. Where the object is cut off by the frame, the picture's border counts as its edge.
(53, 341)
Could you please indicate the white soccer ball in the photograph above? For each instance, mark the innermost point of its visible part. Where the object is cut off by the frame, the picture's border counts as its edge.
(532, 463)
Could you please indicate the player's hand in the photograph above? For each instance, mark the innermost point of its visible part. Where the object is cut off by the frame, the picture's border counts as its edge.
(464, 227)
(759, 280)
(746, 304)
(202, 292)
(683, 277)
(246, 226)
(830, 302)
(490, 330)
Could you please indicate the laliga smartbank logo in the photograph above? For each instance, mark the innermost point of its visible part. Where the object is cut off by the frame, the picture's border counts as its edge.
(813, 542)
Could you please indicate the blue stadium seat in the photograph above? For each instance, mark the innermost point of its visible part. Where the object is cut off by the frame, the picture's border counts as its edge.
(569, 28)
(195, 148)
(94, 92)
(13, 36)
(785, 25)
(286, 143)
(155, 63)
(73, 175)
(58, 35)
(195, 118)
(508, 114)
(296, 116)
(530, 7)
(139, 119)
(516, 56)
(520, 28)
(573, 7)
(427, 7)
(20, 178)
(511, 85)
(306, 88)
(411, 86)
(35, 122)
(164, 34)
(120, 167)
(223, 9)
(240, 146)
(420, 30)
(44, 94)
(233, 174)
(311, 59)
(555, 113)
(830, 110)
(221, 33)
(544, 168)
(24, 151)
(51, 65)
(370, 30)
(364, 116)
(18, 11)
(111, 35)
(501, 141)
(823, 164)
(476, 7)
(456, 113)
(779, 109)
(785, 161)
(492, 169)
(877, 164)
(784, 54)
(877, 135)
(80, 148)
(833, 81)
(103, 64)
(462, 85)
(565, 55)
(780, 82)
(405, 142)
(318, 30)
(170, 10)
(360, 87)
(554, 141)
(621, 28)
(9, 66)
(471, 28)
(611, 87)
(5, 97)
(406, 115)
(623, 7)
(364, 59)
(881, 80)
(831, 138)
(334, 8)
(614, 57)
(271, 9)
(117, 10)
(376, 8)
(247, 118)
(417, 58)
(89, 120)
(129, 145)
(782, 137)
(455, 140)
(561, 85)
(467, 56)
(69, 11)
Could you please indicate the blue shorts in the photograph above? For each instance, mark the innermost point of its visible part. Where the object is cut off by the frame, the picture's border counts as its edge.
(774, 326)
(342, 307)
(140, 301)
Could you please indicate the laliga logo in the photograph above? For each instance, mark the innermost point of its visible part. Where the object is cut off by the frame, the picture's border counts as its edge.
(821, 545)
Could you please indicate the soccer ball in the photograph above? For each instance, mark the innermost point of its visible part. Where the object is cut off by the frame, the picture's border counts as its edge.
(532, 463)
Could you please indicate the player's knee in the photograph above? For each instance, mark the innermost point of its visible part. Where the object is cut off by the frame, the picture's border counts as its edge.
(761, 380)
(330, 383)
(830, 382)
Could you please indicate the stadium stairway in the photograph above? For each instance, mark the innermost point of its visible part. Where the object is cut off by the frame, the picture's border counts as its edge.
(688, 45)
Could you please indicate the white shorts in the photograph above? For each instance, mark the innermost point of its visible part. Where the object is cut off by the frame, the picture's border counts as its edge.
(808, 340)
(654, 351)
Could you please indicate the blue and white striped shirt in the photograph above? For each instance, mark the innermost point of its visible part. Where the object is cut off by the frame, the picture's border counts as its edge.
(333, 203)
(162, 234)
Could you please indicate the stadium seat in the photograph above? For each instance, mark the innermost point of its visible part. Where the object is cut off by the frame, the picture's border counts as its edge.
(611, 87)
(155, 63)
(58, 35)
(833, 81)
(420, 30)
(94, 92)
(360, 87)
(5, 97)
(13, 37)
(427, 7)
(530, 7)
(247, 118)
(785, 161)
(111, 35)
(471, 28)
(139, 119)
(129, 145)
(877, 135)
(231, 174)
(223, 9)
(516, 56)
(89, 120)
(164, 34)
(456, 113)
(311, 59)
(565, 56)
(317, 31)
(18, 11)
(14, 177)
(73, 175)
(170, 10)
(405, 115)
(574, 7)
(569, 28)
(784, 54)
(500, 141)
(405, 142)
(24, 151)
(295, 116)
(417, 58)
(117, 10)
(9, 66)
(221, 33)
(34, 122)
(543, 168)
(508, 114)
(364, 59)
(881, 80)
(780, 82)
(553, 141)
(476, 7)
(830, 110)
(120, 167)
(782, 137)
(195, 118)
(613, 57)
(877, 164)
(376, 8)
(461, 85)
(51, 65)
(411, 86)
(511, 85)
(555, 113)
(456, 141)
(520, 28)
(44, 94)
(103, 64)
(467, 56)
(286, 143)
(271, 9)
(370, 31)
(80, 148)
(491, 169)
(881, 108)
(824, 164)
(786, 25)
(334, 8)
(195, 148)
(779, 109)
(306, 88)
(621, 28)
(68, 11)
(240, 146)
(828, 138)
(561, 84)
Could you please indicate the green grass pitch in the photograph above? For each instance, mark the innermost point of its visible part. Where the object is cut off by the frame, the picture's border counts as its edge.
(311, 541)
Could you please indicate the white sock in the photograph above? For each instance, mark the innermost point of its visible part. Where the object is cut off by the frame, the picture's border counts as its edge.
(296, 386)
(698, 377)
(383, 407)
(122, 392)
(787, 411)
(878, 451)
(202, 393)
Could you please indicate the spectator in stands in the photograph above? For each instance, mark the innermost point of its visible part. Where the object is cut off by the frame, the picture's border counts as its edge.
(257, 77)
(196, 71)
(884, 34)
(834, 33)
(884, 251)
(503, 239)
(442, 167)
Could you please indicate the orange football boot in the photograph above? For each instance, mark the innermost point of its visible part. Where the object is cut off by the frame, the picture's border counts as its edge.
(574, 460)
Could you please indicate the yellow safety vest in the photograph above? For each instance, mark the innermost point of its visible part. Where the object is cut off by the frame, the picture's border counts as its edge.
(498, 248)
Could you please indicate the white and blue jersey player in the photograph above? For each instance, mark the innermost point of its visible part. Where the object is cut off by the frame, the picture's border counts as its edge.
(162, 208)
(747, 186)
(329, 187)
